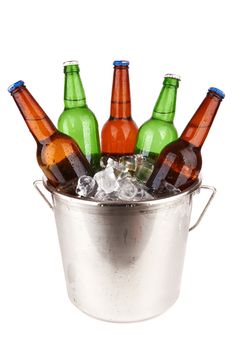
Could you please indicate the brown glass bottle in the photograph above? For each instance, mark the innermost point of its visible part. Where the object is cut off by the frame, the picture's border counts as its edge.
(58, 155)
(180, 161)
(119, 133)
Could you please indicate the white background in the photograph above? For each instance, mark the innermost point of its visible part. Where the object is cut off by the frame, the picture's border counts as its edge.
(190, 38)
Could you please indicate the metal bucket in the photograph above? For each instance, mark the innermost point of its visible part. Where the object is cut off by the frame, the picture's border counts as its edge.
(123, 262)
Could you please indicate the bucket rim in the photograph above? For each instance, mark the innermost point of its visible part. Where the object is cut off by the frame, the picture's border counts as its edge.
(126, 204)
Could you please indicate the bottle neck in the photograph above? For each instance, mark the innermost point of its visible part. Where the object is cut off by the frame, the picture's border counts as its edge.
(120, 101)
(198, 128)
(165, 106)
(39, 124)
(74, 95)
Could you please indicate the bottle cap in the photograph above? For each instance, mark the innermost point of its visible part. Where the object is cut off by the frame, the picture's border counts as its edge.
(174, 76)
(121, 63)
(69, 63)
(15, 85)
(217, 91)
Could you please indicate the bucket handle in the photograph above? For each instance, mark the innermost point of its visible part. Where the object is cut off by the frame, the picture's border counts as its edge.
(37, 185)
(213, 192)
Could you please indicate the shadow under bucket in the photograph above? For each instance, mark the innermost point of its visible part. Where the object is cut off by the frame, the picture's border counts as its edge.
(123, 262)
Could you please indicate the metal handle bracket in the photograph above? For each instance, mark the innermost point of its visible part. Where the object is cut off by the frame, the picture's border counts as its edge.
(213, 192)
(38, 183)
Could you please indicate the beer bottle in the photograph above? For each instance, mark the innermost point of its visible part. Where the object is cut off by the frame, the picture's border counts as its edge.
(158, 131)
(58, 155)
(119, 132)
(77, 120)
(180, 161)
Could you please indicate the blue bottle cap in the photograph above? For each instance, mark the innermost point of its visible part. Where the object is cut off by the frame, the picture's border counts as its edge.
(15, 85)
(217, 91)
(121, 63)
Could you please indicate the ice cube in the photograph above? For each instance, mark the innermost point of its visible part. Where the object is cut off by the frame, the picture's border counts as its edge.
(129, 162)
(110, 162)
(144, 168)
(106, 180)
(102, 196)
(124, 175)
(103, 161)
(86, 186)
(166, 189)
(127, 190)
(142, 193)
(147, 196)
(106, 162)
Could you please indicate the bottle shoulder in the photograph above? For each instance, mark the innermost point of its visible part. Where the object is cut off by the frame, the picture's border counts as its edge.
(55, 148)
(157, 129)
(156, 123)
(183, 149)
(80, 113)
(57, 139)
(184, 161)
(120, 122)
(117, 127)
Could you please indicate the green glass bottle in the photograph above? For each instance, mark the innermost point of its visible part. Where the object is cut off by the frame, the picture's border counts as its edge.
(158, 131)
(77, 120)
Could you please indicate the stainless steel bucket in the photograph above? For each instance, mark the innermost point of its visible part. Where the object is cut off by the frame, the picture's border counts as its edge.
(123, 262)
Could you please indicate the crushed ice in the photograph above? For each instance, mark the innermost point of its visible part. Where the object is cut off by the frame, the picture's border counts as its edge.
(122, 180)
